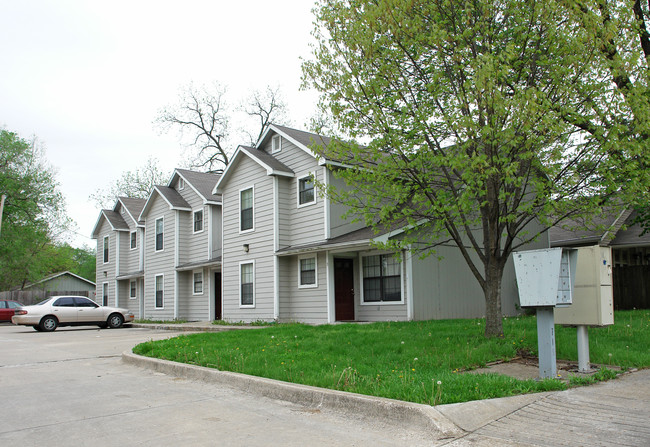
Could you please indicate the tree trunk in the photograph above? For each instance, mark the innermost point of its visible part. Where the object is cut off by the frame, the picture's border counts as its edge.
(493, 316)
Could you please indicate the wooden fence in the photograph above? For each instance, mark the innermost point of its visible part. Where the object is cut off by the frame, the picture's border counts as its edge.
(632, 287)
(28, 297)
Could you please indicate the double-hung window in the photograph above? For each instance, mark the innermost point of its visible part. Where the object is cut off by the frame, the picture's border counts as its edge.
(306, 193)
(246, 209)
(105, 294)
(132, 293)
(198, 221)
(160, 290)
(381, 279)
(160, 231)
(247, 285)
(198, 283)
(105, 249)
(134, 240)
(276, 144)
(307, 273)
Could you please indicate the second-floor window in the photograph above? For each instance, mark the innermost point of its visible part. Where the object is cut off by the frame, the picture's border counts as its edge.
(276, 144)
(105, 248)
(306, 191)
(134, 240)
(160, 230)
(198, 221)
(246, 209)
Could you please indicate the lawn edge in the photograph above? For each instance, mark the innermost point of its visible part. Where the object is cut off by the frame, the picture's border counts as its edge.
(423, 417)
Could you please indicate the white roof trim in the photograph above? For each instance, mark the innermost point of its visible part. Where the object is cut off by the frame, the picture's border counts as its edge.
(155, 190)
(269, 169)
(284, 135)
(135, 221)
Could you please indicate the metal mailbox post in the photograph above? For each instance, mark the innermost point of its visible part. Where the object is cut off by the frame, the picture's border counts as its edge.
(545, 279)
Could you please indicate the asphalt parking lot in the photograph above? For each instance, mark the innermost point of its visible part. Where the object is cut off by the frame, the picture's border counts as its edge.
(70, 388)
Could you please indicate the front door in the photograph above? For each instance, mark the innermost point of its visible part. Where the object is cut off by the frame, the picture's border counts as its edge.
(344, 289)
(217, 296)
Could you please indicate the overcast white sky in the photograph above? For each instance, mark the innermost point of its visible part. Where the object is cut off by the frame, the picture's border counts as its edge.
(87, 78)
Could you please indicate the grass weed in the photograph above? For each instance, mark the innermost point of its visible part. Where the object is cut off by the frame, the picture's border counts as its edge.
(420, 361)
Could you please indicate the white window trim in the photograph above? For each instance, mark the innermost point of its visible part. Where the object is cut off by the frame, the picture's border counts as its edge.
(202, 221)
(132, 297)
(246, 306)
(181, 183)
(155, 224)
(136, 240)
(313, 202)
(250, 230)
(275, 148)
(194, 272)
(106, 287)
(163, 292)
(106, 248)
(308, 286)
(401, 281)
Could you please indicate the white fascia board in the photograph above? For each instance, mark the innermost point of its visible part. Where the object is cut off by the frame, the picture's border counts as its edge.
(127, 211)
(385, 237)
(325, 247)
(226, 172)
(94, 234)
(284, 135)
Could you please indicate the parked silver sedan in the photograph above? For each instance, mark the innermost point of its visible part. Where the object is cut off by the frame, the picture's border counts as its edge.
(70, 311)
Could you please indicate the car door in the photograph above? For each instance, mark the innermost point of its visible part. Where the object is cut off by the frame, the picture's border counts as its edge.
(88, 311)
(65, 310)
(5, 312)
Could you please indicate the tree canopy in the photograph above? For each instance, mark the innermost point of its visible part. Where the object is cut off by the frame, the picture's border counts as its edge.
(486, 121)
(34, 221)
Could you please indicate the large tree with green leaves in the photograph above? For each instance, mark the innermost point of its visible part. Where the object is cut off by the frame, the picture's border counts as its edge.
(486, 122)
(33, 218)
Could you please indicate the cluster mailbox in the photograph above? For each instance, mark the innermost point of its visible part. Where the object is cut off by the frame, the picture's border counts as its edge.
(546, 277)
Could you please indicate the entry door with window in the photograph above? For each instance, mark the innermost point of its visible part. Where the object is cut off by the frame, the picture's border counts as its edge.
(344, 289)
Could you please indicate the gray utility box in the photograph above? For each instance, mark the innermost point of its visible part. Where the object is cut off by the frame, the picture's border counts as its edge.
(593, 302)
(546, 277)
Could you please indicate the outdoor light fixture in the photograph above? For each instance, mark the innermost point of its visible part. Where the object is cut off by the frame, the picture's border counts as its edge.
(245, 248)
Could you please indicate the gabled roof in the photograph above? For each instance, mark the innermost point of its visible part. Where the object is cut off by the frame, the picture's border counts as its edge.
(303, 139)
(267, 161)
(201, 182)
(133, 207)
(57, 275)
(114, 219)
(608, 231)
(173, 199)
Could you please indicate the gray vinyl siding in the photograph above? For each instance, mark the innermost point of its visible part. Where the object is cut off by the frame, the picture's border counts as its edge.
(285, 208)
(193, 307)
(215, 221)
(162, 262)
(339, 225)
(194, 246)
(125, 290)
(105, 272)
(260, 242)
(446, 288)
(383, 311)
(129, 259)
(307, 305)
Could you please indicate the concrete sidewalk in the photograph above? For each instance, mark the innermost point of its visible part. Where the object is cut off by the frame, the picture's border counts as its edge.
(608, 414)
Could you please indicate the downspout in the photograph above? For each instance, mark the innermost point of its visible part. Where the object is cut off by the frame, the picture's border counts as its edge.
(276, 246)
(409, 283)
(118, 242)
(141, 268)
(177, 221)
(207, 281)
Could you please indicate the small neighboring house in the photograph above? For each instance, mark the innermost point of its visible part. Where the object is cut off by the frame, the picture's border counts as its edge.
(182, 249)
(289, 256)
(120, 255)
(64, 282)
(630, 252)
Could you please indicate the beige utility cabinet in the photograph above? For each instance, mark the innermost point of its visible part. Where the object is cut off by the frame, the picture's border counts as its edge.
(593, 302)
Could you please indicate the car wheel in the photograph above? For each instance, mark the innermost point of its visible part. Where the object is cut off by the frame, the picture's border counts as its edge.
(49, 323)
(115, 321)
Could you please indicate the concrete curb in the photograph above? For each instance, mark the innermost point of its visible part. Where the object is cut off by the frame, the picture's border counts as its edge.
(191, 327)
(418, 416)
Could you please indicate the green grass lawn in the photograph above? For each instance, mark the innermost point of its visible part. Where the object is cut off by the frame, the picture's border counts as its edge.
(422, 361)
